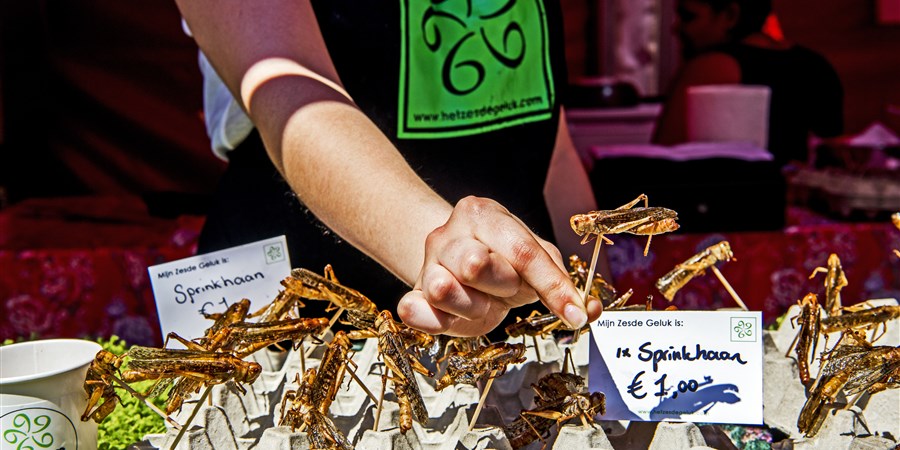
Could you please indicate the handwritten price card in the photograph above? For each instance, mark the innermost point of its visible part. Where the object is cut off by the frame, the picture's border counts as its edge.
(187, 289)
(692, 366)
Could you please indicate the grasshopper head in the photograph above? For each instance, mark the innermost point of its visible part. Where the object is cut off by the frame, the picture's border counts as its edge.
(383, 316)
(723, 252)
(598, 403)
(106, 358)
(249, 372)
(580, 223)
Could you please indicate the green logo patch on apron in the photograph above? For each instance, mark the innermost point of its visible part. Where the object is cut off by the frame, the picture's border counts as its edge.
(470, 66)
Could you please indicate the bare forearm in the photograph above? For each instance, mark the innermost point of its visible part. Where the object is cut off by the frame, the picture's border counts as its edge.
(271, 56)
(352, 179)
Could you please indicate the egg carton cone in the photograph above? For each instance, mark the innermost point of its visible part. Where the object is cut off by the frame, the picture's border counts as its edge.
(581, 437)
(844, 429)
(659, 436)
(210, 429)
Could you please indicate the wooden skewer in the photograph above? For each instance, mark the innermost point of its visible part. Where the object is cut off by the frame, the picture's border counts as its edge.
(589, 281)
(302, 356)
(487, 387)
(381, 400)
(358, 381)
(728, 287)
(190, 418)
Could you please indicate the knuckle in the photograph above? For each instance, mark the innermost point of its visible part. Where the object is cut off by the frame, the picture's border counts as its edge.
(440, 288)
(435, 236)
(524, 252)
(474, 265)
(472, 205)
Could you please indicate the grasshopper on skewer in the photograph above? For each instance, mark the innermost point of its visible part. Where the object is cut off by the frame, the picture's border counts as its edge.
(399, 367)
(696, 265)
(98, 385)
(558, 398)
(487, 362)
(308, 284)
(306, 410)
(209, 368)
(642, 221)
(863, 319)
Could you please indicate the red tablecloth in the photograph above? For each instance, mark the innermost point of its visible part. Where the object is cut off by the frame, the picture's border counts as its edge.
(78, 267)
(771, 270)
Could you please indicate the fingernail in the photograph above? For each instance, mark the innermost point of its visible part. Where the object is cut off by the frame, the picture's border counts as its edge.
(574, 316)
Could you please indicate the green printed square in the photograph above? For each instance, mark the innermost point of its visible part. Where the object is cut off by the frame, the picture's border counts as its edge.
(470, 67)
(744, 329)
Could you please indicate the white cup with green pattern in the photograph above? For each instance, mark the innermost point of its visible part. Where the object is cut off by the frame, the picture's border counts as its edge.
(42, 395)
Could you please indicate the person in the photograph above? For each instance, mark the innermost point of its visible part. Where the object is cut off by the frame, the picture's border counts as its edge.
(405, 143)
(723, 42)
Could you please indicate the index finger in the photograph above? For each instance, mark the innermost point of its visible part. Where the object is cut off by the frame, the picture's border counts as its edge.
(511, 239)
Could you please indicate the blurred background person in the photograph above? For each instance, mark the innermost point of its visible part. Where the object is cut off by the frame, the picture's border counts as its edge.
(724, 42)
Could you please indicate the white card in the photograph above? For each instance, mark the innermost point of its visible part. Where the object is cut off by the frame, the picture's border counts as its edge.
(691, 366)
(186, 289)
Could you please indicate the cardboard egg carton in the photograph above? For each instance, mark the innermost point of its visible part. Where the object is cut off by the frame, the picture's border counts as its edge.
(237, 421)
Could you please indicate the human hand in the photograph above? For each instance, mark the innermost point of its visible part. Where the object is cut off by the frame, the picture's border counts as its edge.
(483, 262)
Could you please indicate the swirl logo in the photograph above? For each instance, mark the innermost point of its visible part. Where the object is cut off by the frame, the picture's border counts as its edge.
(27, 433)
(743, 329)
(37, 428)
(474, 31)
(469, 66)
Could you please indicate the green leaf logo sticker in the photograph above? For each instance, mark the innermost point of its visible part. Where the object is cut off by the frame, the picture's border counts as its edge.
(743, 329)
(472, 66)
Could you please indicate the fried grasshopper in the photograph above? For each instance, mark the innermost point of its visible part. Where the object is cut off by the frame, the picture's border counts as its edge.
(208, 368)
(863, 319)
(400, 363)
(535, 324)
(482, 363)
(807, 337)
(322, 385)
(853, 366)
(306, 412)
(835, 280)
(308, 284)
(558, 398)
(98, 385)
(642, 221)
(231, 334)
(696, 265)
(600, 288)
(286, 305)
(364, 323)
